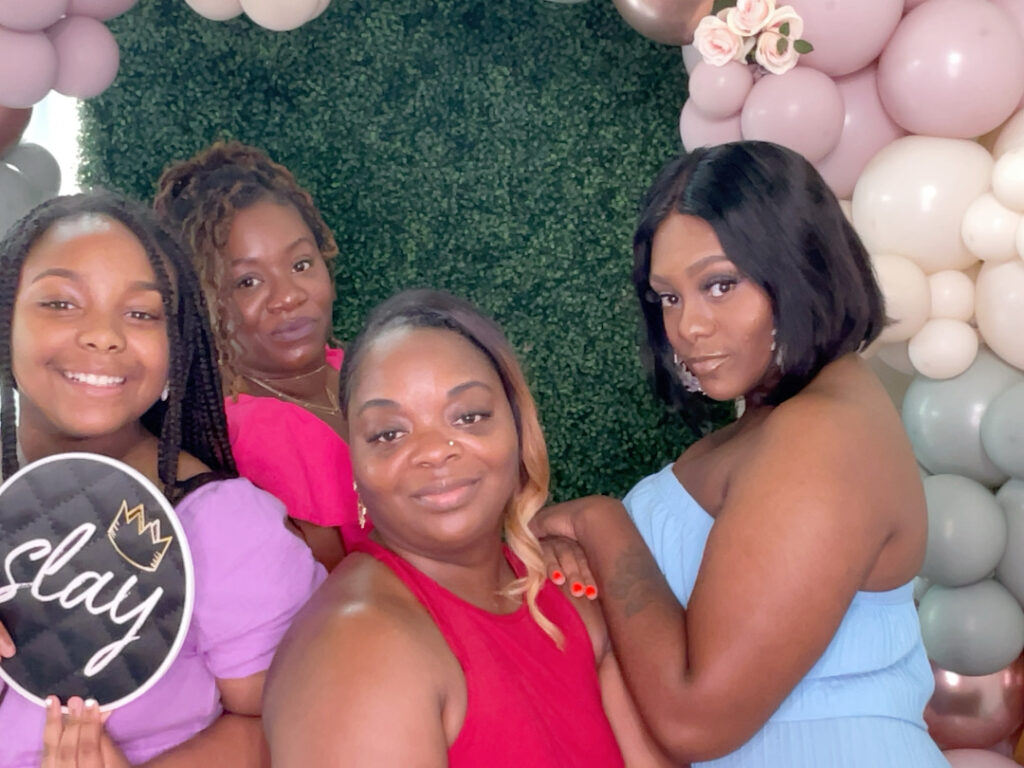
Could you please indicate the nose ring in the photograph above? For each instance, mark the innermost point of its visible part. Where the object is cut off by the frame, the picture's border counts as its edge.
(451, 443)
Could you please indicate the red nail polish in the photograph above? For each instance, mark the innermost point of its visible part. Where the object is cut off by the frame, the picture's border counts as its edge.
(590, 591)
(558, 577)
(577, 589)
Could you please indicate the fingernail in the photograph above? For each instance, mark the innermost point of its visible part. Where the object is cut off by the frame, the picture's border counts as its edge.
(576, 589)
(590, 591)
(50, 701)
(90, 703)
(558, 577)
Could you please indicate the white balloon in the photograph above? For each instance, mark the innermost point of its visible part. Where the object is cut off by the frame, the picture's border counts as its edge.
(989, 229)
(952, 295)
(908, 297)
(279, 16)
(943, 348)
(216, 10)
(911, 199)
(1011, 135)
(999, 309)
(1008, 179)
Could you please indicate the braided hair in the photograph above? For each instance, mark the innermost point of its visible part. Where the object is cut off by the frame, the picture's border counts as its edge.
(194, 382)
(198, 198)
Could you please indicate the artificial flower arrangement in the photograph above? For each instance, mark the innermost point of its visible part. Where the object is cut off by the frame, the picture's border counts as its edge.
(752, 31)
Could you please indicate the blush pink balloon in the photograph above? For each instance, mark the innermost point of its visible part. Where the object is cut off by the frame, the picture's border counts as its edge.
(953, 68)
(719, 92)
(698, 130)
(801, 109)
(866, 130)
(975, 711)
(87, 55)
(847, 35)
(977, 758)
(100, 9)
(909, 5)
(31, 15)
(1016, 10)
(28, 67)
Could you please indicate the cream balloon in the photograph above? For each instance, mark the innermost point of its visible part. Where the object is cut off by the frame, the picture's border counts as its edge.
(1011, 135)
(1020, 239)
(216, 10)
(952, 295)
(911, 199)
(1008, 179)
(999, 309)
(989, 229)
(908, 297)
(943, 348)
(278, 16)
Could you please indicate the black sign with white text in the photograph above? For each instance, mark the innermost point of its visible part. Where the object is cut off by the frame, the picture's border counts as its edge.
(96, 583)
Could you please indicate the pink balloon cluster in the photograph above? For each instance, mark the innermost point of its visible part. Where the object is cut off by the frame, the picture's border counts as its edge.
(880, 69)
(56, 44)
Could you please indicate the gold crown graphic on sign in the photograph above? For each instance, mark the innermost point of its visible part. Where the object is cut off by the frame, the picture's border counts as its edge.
(143, 547)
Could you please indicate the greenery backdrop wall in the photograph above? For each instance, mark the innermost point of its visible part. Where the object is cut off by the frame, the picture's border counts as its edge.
(494, 148)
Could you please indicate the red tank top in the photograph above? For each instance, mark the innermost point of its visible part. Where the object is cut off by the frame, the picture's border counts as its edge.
(529, 704)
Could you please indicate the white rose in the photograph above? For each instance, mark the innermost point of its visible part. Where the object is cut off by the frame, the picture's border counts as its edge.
(717, 44)
(748, 17)
(767, 52)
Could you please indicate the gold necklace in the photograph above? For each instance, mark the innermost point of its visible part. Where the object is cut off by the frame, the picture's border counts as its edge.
(332, 410)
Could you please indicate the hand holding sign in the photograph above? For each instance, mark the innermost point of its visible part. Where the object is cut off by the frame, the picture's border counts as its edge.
(95, 580)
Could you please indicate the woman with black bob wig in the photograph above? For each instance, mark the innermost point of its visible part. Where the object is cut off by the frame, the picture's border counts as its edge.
(758, 589)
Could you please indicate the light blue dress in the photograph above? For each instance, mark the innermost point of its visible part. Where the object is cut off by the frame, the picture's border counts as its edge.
(860, 705)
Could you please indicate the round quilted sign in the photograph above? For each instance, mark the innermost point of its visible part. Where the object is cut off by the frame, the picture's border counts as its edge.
(96, 582)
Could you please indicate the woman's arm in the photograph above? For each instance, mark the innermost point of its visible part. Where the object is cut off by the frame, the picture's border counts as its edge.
(794, 541)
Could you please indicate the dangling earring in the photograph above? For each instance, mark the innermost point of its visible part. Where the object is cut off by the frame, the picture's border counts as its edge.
(360, 507)
(686, 377)
(777, 350)
(166, 391)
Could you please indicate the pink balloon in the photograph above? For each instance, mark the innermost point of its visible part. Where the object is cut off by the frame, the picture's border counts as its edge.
(975, 711)
(866, 129)
(1016, 9)
(911, 4)
(698, 130)
(87, 55)
(977, 758)
(100, 9)
(28, 67)
(847, 35)
(801, 109)
(719, 92)
(31, 15)
(953, 68)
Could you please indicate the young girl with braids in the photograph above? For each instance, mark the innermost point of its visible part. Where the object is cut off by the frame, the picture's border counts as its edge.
(433, 644)
(106, 339)
(263, 254)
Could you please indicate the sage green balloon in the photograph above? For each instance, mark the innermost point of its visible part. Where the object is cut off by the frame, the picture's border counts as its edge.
(972, 630)
(943, 418)
(1010, 571)
(1002, 431)
(966, 531)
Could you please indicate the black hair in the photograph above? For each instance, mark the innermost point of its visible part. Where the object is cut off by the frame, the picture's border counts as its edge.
(781, 225)
(192, 418)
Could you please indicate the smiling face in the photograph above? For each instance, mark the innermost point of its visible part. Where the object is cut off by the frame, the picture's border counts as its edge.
(89, 342)
(277, 289)
(433, 441)
(717, 320)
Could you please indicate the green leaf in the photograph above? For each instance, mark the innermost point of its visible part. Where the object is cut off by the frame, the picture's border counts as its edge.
(782, 45)
(784, 29)
(802, 46)
(720, 5)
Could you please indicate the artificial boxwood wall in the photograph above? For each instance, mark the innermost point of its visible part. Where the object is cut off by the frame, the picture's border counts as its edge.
(494, 148)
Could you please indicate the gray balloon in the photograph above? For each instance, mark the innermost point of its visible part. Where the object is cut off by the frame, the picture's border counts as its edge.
(921, 585)
(17, 197)
(943, 418)
(1002, 431)
(39, 168)
(966, 531)
(972, 630)
(1010, 570)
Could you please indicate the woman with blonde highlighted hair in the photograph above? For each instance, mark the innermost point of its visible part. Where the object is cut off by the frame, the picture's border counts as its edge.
(436, 642)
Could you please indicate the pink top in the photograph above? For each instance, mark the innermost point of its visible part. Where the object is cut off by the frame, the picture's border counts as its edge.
(251, 574)
(286, 450)
(529, 703)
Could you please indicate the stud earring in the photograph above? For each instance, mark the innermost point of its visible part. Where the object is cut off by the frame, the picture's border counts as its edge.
(774, 345)
(451, 443)
(166, 391)
(689, 381)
